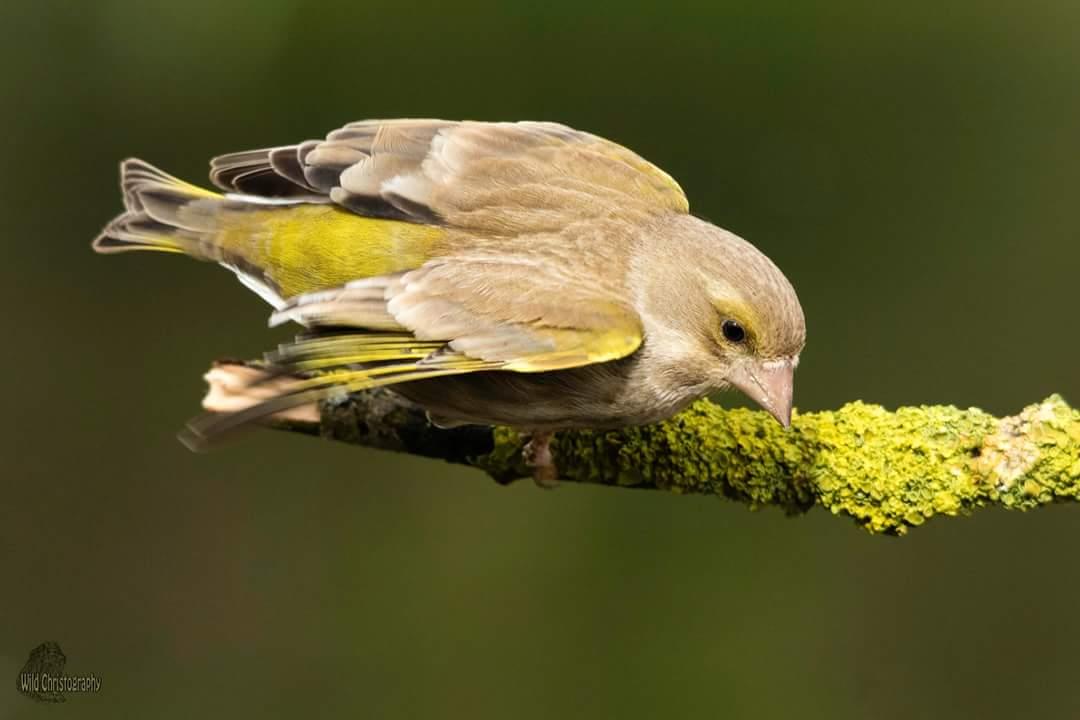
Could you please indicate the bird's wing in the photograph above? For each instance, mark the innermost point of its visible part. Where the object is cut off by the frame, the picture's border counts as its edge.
(526, 311)
(492, 178)
(477, 311)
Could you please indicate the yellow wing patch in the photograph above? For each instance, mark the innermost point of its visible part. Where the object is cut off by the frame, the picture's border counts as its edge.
(652, 183)
(337, 350)
(574, 348)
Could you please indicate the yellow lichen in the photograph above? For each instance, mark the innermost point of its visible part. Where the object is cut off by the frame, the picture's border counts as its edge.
(889, 471)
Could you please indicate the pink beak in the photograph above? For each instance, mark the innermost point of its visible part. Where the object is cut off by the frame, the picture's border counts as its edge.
(769, 383)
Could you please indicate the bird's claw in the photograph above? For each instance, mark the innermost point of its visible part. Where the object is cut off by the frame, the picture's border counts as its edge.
(537, 455)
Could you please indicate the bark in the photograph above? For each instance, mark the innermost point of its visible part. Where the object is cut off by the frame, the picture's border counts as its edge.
(888, 470)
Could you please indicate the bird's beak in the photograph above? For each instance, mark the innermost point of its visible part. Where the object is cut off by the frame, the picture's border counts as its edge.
(769, 383)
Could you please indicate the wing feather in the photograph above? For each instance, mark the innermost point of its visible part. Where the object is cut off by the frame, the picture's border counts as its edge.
(522, 311)
(333, 367)
(463, 174)
(208, 428)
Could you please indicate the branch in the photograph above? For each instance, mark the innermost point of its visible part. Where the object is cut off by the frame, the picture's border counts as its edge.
(889, 471)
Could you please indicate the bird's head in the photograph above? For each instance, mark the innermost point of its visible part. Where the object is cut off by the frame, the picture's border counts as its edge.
(732, 319)
(757, 342)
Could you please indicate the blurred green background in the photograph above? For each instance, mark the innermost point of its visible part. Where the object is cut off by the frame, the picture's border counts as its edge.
(911, 166)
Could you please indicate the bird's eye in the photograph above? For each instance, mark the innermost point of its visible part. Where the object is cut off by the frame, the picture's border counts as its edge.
(733, 331)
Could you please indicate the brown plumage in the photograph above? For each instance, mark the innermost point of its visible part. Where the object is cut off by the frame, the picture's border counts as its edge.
(523, 274)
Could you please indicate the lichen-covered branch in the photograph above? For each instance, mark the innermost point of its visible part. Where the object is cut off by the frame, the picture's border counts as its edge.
(889, 471)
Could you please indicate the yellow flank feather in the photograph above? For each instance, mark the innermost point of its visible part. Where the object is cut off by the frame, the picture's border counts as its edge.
(303, 248)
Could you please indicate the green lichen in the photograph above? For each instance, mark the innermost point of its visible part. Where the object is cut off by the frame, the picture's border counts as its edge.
(889, 471)
(505, 463)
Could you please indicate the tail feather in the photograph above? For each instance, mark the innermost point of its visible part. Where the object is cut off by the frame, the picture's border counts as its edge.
(278, 246)
(135, 230)
(163, 213)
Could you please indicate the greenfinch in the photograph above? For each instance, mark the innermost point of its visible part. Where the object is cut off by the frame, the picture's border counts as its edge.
(523, 274)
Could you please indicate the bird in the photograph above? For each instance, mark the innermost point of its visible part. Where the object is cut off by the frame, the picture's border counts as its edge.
(521, 274)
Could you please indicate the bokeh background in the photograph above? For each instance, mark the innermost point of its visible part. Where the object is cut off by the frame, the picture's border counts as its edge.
(911, 166)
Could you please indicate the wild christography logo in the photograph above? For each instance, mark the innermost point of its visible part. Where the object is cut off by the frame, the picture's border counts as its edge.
(42, 677)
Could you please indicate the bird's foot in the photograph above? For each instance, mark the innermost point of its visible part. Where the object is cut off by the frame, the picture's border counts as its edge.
(537, 455)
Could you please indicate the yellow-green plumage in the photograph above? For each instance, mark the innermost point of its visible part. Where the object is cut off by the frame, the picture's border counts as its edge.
(278, 241)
